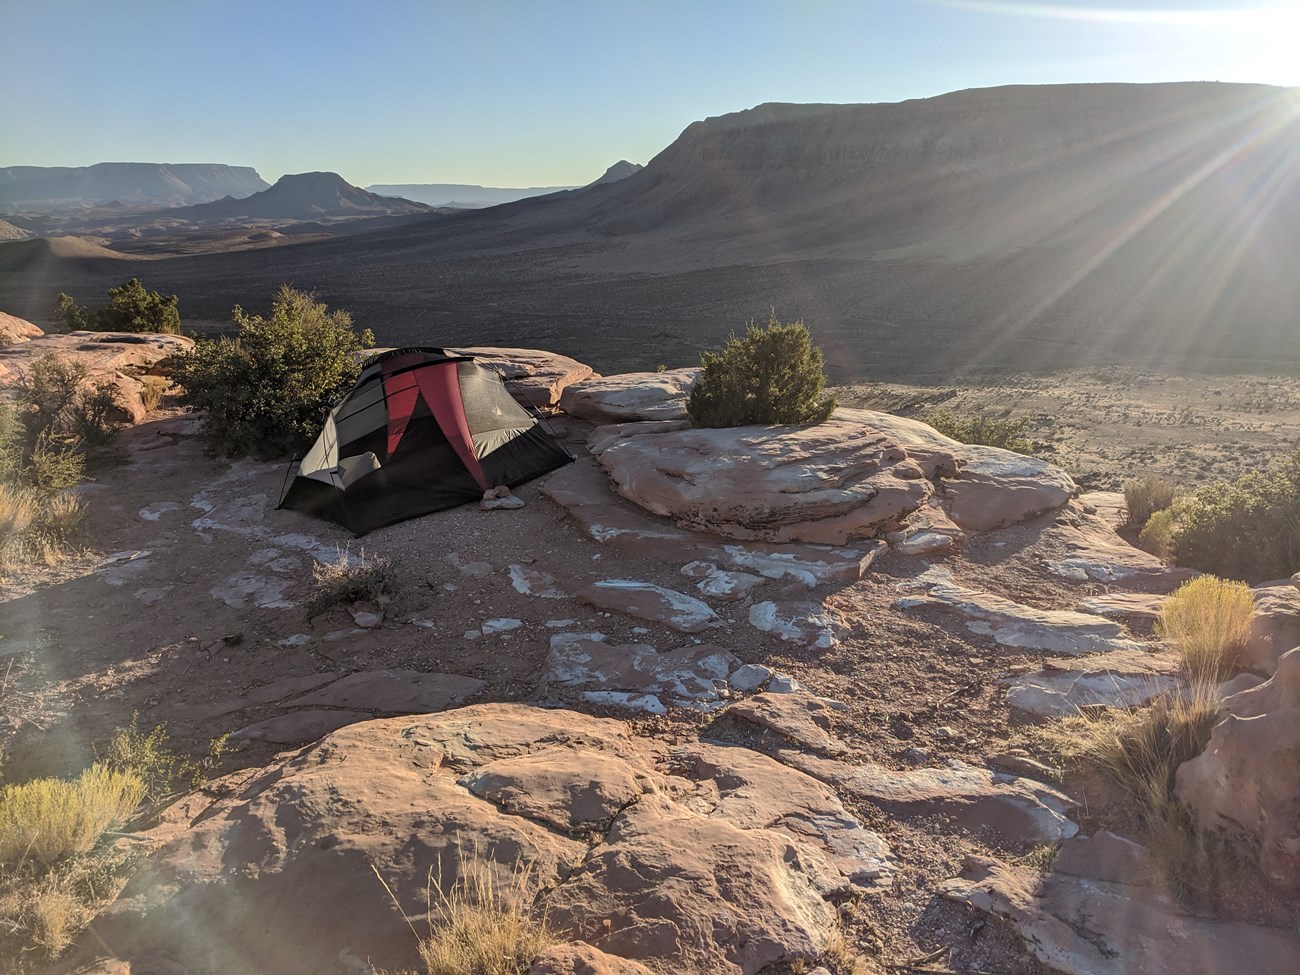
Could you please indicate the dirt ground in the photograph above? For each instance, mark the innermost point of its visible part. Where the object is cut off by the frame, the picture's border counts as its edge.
(1109, 424)
(192, 595)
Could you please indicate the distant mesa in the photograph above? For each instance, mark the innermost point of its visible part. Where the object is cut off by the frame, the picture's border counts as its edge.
(305, 196)
(124, 185)
(464, 196)
(619, 171)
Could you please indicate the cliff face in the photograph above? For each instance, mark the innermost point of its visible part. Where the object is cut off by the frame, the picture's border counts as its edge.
(146, 184)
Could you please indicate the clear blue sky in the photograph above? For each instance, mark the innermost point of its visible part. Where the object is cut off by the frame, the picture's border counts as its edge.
(508, 93)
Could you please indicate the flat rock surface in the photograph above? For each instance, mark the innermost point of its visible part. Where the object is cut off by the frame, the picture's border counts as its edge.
(1061, 692)
(1125, 605)
(585, 491)
(655, 604)
(632, 396)
(299, 727)
(827, 483)
(1088, 927)
(1020, 811)
(798, 621)
(388, 692)
(1013, 624)
(1094, 553)
(801, 718)
(712, 859)
(692, 676)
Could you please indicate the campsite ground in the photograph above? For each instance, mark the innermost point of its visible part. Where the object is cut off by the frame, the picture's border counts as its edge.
(192, 597)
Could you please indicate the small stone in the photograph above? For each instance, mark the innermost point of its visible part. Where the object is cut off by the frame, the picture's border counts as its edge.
(944, 731)
(472, 634)
(365, 618)
(501, 625)
(750, 678)
(783, 684)
(502, 504)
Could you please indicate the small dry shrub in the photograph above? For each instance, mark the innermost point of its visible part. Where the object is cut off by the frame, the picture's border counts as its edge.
(1146, 496)
(94, 416)
(152, 390)
(476, 927)
(36, 527)
(350, 579)
(151, 757)
(49, 820)
(1207, 621)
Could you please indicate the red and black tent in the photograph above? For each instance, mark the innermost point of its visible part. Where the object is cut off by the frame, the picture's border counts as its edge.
(422, 430)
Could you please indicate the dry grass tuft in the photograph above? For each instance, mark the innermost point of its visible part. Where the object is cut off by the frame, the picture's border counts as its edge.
(49, 820)
(1207, 621)
(153, 389)
(1136, 755)
(478, 928)
(43, 912)
(1146, 496)
(349, 580)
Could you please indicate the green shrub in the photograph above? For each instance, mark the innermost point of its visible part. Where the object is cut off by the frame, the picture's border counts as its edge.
(150, 757)
(1144, 497)
(131, 308)
(1248, 529)
(983, 430)
(93, 417)
(48, 392)
(770, 375)
(266, 391)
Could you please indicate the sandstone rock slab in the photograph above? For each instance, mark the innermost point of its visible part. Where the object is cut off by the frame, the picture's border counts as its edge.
(14, 330)
(1125, 605)
(1023, 812)
(1013, 624)
(1245, 780)
(632, 396)
(393, 692)
(715, 859)
(121, 359)
(584, 490)
(827, 483)
(299, 727)
(1274, 627)
(800, 717)
(1061, 692)
(806, 623)
(1088, 927)
(1094, 553)
(580, 958)
(655, 604)
(532, 375)
(694, 676)
(604, 437)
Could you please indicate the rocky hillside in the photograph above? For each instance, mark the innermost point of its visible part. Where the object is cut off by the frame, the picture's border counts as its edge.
(138, 184)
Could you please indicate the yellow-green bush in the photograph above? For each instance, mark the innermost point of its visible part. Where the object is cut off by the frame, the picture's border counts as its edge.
(1207, 620)
(50, 819)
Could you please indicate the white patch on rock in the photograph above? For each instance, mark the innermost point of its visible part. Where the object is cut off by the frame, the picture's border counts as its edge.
(156, 510)
(503, 624)
(251, 588)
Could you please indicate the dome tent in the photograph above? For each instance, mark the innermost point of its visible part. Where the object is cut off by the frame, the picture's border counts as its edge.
(422, 430)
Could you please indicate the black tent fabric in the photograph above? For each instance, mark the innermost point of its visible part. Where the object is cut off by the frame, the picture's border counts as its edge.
(422, 430)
